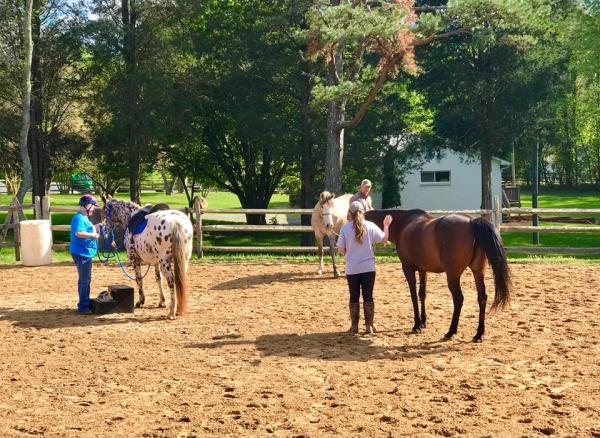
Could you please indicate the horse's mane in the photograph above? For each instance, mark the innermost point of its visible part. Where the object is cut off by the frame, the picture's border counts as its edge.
(326, 197)
(127, 203)
(398, 214)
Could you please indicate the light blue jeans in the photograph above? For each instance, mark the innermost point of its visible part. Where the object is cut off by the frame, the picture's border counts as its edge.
(84, 271)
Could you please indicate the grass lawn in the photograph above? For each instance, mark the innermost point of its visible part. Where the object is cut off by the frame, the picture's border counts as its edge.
(554, 198)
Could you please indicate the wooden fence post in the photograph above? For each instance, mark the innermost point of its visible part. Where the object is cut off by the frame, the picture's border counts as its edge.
(199, 237)
(15, 208)
(37, 208)
(46, 208)
(497, 213)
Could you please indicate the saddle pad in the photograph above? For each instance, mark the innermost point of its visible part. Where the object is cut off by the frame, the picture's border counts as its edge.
(140, 227)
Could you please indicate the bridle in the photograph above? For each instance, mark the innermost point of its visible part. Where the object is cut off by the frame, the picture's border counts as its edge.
(329, 213)
(108, 236)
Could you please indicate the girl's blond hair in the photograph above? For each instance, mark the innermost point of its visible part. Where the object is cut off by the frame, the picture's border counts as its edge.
(358, 218)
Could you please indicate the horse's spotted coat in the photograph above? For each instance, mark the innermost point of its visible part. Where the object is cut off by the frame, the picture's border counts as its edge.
(156, 246)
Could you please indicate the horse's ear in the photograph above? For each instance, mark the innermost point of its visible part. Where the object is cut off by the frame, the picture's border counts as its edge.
(332, 195)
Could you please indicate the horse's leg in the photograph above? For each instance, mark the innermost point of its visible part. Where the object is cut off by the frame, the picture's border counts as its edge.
(422, 295)
(165, 267)
(457, 299)
(482, 300)
(320, 252)
(409, 273)
(158, 276)
(137, 266)
(336, 272)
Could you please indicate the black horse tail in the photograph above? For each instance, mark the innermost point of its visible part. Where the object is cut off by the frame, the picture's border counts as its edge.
(488, 238)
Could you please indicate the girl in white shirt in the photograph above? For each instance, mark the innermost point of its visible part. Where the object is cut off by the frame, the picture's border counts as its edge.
(356, 241)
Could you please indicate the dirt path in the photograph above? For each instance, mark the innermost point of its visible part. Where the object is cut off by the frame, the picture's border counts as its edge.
(262, 353)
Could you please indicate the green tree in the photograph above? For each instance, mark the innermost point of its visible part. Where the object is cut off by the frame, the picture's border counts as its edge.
(486, 86)
(362, 44)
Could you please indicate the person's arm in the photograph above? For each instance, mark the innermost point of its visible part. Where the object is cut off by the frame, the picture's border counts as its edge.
(379, 236)
(341, 244)
(386, 228)
(86, 235)
(81, 233)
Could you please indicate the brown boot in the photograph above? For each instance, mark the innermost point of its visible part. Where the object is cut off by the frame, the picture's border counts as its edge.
(369, 309)
(354, 317)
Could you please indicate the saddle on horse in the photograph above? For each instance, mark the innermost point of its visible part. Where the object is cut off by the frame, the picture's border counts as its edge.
(137, 223)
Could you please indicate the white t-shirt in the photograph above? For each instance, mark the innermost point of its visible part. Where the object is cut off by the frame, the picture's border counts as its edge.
(360, 257)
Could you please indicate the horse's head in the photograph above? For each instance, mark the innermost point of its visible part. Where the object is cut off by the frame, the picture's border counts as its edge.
(117, 212)
(202, 202)
(325, 207)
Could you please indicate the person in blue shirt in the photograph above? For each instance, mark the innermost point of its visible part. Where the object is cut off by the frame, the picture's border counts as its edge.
(83, 247)
(356, 241)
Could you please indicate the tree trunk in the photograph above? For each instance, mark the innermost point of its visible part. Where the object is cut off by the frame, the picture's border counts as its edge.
(37, 144)
(335, 149)
(129, 17)
(390, 192)
(25, 163)
(334, 157)
(486, 180)
(307, 161)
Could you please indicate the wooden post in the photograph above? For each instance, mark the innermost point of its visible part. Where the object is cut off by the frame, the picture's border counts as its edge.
(535, 190)
(497, 213)
(199, 237)
(46, 208)
(14, 211)
(37, 208)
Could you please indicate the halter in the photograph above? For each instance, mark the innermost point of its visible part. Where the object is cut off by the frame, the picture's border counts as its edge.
(108, 240)
(330, 214)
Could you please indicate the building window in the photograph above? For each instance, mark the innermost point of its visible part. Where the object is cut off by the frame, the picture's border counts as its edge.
(438, 176)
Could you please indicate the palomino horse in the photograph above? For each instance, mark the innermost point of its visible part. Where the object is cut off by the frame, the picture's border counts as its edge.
(165, 242)
(328, 217)
(448, 244)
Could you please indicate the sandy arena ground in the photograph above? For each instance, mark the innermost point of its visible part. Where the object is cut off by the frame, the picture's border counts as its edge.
(262, 353)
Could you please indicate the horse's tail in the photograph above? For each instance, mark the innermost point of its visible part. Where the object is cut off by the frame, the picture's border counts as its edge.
(180, 262)
(488, 238)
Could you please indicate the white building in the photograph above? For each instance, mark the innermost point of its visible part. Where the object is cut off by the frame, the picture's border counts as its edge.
(452, 182)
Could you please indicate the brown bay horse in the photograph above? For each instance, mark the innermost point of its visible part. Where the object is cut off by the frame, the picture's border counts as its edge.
(448, 244)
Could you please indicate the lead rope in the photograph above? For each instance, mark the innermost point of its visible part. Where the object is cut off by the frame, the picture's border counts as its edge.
(109, 250)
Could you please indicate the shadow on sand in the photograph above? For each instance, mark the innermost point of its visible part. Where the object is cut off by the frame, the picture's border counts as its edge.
(67, 317)
(264, 279)
(339, 346)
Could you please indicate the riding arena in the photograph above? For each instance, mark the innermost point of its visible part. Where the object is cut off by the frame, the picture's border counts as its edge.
(263, 351)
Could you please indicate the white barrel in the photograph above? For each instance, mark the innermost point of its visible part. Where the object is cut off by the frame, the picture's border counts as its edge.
(36, 243)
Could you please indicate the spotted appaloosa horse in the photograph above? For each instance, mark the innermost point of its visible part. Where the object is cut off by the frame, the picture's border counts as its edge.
(328, 217)
(166, 243)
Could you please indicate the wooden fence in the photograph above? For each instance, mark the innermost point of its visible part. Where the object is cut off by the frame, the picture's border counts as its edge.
(43, 209)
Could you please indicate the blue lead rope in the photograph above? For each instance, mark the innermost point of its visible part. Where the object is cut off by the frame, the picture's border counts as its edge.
(108, 252)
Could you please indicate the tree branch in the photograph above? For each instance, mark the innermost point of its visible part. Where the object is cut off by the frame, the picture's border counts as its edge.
(364, 106)
(439, 36)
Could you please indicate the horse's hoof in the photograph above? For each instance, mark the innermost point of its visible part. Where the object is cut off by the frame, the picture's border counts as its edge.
(139, 304)
(171, 316)
(319, 272)
(478, 338)
(336, 274)
(423, 325)
(448, 336)
(161, 305)
(416, 330)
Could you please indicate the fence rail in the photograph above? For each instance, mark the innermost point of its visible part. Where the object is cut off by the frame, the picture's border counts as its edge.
(43, 209)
